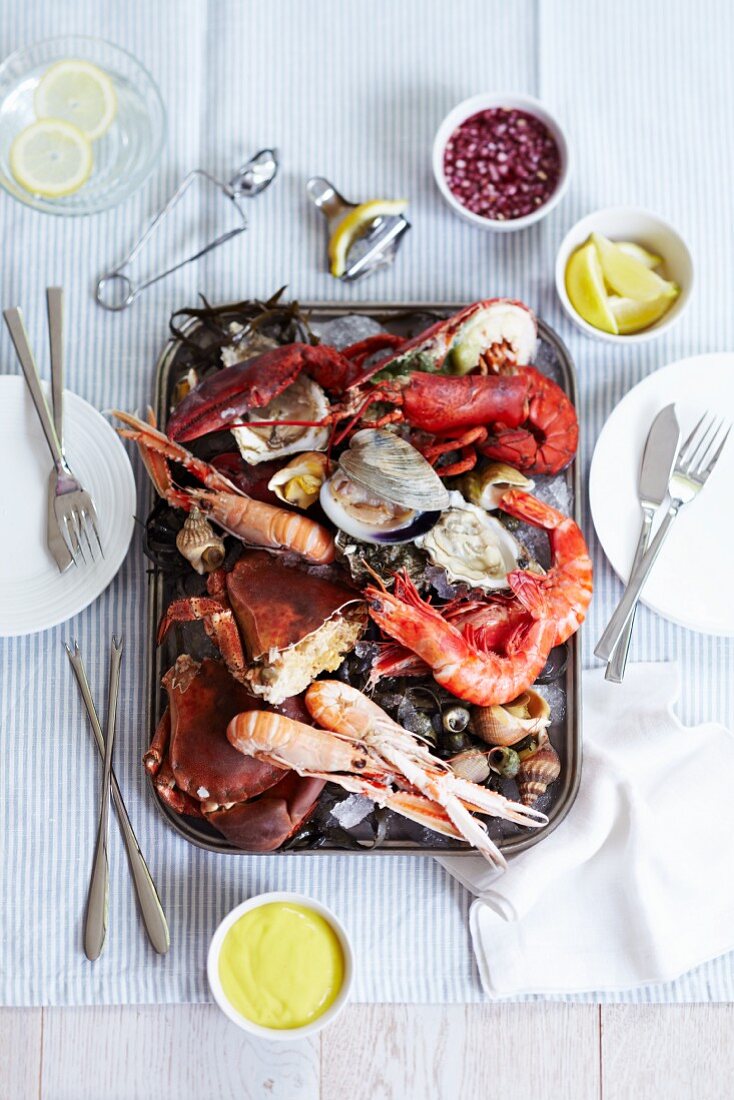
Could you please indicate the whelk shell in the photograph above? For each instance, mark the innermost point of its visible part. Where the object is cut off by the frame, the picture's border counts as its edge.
(485, 487)
(393, 469)
(537, 772)
(198, 542)
(511, 722)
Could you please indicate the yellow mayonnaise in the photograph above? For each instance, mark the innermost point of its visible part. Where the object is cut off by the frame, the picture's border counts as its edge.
(281, 965)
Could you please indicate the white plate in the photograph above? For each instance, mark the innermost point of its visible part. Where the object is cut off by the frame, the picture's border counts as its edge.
(688, 585)
(33, 594)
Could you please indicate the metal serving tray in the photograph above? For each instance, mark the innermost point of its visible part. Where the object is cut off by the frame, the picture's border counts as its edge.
(403, 837)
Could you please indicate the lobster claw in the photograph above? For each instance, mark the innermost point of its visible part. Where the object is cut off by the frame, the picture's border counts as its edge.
(229, 395)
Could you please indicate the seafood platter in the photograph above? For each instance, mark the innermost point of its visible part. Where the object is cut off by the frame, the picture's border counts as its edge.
(367, 577)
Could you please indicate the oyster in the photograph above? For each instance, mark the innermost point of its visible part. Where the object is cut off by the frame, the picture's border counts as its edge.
(485, 487)
(384, 490)
(472, 546)
(303, 400)
(300, 481)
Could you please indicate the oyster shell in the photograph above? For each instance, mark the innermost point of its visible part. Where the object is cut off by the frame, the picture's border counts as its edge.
(485, 487)
(302, 400)
(198, 542)
(511, 722)
(472, 546)
(300, 481)
(384, 490)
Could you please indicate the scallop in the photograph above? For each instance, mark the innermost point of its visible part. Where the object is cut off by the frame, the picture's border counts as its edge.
(303, 400)
(384, 490)
(472, 546)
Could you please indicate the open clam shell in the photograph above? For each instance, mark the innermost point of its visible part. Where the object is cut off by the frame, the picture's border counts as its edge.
(393, 469)
(487, 486)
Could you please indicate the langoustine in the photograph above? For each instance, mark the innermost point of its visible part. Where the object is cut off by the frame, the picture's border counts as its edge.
(376, 754)
(251, 521)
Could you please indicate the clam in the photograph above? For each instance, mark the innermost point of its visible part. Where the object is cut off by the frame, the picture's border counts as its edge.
(303, 401)
(536, 772)
(299, 482)
(470, 764)
(472, 546)
(384, 490)
(198, 542)
(511, 722)
(485, 487)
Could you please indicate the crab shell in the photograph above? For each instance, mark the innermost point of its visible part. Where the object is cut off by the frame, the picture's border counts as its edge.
(202, 700)
(293, 624)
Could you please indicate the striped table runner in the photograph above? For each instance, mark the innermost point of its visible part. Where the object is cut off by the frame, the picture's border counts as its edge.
(353, 91)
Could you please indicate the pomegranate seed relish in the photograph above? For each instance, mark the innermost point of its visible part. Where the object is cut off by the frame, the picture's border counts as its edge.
(502, 163)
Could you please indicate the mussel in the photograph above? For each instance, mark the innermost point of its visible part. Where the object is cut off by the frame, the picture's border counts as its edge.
(384, 490)
(472, 546)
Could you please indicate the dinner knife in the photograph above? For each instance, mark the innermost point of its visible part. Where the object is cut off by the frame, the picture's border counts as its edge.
(658, 459)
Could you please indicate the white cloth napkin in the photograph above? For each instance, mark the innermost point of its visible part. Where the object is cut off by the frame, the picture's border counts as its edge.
(636, 885)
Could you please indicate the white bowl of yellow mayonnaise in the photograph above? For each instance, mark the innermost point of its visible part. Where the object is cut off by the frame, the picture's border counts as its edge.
(280, 966)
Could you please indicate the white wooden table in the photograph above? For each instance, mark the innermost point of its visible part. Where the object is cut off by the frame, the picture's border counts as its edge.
(377, 1052)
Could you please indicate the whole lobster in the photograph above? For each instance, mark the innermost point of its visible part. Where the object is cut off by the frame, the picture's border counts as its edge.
(461, 387)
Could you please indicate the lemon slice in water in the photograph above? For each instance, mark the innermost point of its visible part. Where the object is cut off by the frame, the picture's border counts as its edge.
(51, 158)
(585, 288)
(77, 92)
(355, 223)
(627, 276)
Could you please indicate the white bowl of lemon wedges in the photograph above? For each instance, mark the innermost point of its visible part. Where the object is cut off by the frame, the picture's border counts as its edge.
(82, 125)
(624, 275)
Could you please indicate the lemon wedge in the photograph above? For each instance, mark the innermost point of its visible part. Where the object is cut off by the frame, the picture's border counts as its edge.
(77, 92)
(51, 158)
(627, 277)
(585, 288)
(354, 224)
(632, 316)
(637, 252)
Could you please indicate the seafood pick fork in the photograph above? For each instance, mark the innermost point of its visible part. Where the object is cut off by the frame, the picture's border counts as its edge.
(151, 909)
(71, 515)
(697, 458)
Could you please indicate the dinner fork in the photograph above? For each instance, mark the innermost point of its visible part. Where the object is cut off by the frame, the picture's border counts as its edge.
(73, 508)
(696, 459)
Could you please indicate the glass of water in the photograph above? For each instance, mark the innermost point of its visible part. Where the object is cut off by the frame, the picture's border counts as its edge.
(124, 156)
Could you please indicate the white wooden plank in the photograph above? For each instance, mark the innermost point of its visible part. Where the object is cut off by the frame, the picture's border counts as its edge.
(673, 1052)
(486, 1052)
(20, 1052)
(181, 1052)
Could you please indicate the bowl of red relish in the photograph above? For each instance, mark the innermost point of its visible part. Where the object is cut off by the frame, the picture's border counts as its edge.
(501, 161)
